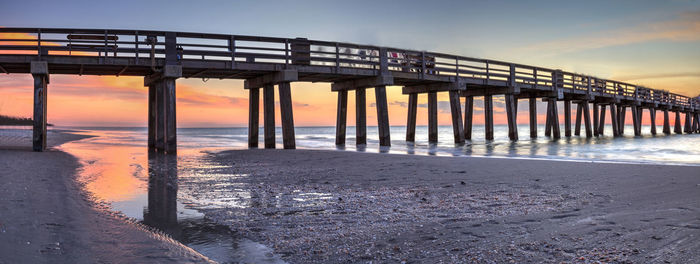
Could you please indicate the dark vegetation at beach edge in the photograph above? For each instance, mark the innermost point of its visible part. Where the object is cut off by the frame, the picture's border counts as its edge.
(17, 121)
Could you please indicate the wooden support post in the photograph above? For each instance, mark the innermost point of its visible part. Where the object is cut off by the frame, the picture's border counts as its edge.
(640, 114)
(341, 117)
(652, 116)
(635, 119)
(687, 126)
(360, 117)
(253, 116)
(287, 115)
(41, 82)
(622, 113)
(677, 124)
(488, 116)
(382, 116)
(151, 116)
(512, 112)
(515, 106)
(533, 117)
(587, 120)
(696, 122)
(555, 119)
(614, 119)
(667, 125)
(548, 120)
(457, 125)
(170, 117)
(411, 119)
(579, 111)
(596, 118)
(567, 118)
(601, 126)
(269, 115)
(432, 117)
(468, 117)
(160, 116)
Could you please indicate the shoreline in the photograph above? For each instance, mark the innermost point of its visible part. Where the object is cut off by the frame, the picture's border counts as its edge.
(516, 157)
(47, 216)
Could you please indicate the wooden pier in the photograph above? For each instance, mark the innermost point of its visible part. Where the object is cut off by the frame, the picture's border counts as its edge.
(162, 57)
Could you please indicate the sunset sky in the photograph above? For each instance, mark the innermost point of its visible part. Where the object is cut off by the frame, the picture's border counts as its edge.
(652, 43)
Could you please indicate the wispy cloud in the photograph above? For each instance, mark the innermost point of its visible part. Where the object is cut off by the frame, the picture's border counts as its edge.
(658, 76)
(686, 27)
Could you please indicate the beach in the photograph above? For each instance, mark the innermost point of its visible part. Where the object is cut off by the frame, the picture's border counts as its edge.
(46, 216)
(332, 206)
(340, 207)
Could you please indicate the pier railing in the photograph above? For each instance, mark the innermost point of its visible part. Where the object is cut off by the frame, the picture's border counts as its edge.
(148, 44)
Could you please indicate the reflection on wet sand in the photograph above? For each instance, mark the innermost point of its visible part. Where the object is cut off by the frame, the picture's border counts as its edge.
(215, 241)
(161, 212)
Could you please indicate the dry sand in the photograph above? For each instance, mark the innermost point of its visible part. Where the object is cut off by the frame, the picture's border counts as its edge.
(345, 207)
(45, 217)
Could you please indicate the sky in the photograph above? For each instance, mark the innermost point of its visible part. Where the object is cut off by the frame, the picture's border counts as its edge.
(650, 43)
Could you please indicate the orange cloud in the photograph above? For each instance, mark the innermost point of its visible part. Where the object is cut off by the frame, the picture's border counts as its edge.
(684, 28)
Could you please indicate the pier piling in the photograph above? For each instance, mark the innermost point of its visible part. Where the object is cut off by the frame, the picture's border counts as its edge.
(488, 116)
(614, 120)
(160, 116)
(667, 126)
(512, 113)
(360, 117)
(548, 120)
(170, 117)
(152, 116)
(622, 113)
(253, 116)
(601, 125)
(596, 118)
(533, 117)
(579, 111)
(40, 73)
(411, 119)
(432, 117)
(652, 117)
(287, 115)
(468, 116)
(567, 118)
(456, 109)
(382, 115)
(269, 115)
(587, 120)
(636, 119)
(677, 123)
(554, 118)
(341, 117)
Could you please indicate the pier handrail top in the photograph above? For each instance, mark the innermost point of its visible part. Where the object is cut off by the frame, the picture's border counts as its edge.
(259, 38)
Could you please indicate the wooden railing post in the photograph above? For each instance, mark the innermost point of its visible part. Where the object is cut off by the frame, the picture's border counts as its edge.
(136, 45)
(337, 58)
(38, 44)
(383, 61)
(422, 62)
(232, 49)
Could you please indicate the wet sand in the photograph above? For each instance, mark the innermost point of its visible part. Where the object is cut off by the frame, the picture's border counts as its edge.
(337, 207)
(46, 217)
